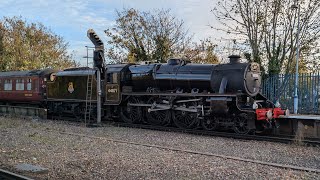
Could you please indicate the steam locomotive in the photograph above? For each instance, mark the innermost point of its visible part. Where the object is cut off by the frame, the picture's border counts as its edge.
(180, 93)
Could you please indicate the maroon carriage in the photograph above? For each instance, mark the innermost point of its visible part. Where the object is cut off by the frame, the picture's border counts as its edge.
(23, 86)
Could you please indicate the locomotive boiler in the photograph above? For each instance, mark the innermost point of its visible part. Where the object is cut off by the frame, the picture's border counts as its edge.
(178, 74)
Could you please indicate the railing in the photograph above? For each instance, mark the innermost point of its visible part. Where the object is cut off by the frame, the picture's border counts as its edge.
(281, 88)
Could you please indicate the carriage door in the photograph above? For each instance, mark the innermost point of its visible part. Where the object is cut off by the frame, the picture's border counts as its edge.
(113, 88)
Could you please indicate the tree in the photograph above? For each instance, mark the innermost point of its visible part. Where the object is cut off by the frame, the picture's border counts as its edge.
(202, 52)
(26, 46)
(139, 36)
(271, 28)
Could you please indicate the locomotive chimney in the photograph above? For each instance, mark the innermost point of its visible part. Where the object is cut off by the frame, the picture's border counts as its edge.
(234, 59)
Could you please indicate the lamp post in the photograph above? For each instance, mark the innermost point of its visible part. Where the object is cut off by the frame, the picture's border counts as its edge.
(296, 6)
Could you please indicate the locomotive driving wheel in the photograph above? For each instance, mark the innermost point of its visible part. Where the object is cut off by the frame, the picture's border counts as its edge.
(159, 117)
(130, 113)
(241, 124)
(209, 123)
(186, 119)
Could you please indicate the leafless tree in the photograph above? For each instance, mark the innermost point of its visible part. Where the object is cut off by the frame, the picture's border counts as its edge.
(270, 27)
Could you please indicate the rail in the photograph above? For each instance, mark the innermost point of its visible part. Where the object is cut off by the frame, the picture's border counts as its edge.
(7, 175)
(271, 138)
(299, 168)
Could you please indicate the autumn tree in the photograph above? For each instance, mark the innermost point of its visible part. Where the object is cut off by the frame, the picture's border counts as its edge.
(202, 52)
(25, 46)
(139, 36)
(270, 28)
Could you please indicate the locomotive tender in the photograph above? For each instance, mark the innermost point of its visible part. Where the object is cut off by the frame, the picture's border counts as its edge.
(211, 96)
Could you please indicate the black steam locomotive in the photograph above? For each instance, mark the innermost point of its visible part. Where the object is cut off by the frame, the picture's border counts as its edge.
(211, 96)
(180, 93)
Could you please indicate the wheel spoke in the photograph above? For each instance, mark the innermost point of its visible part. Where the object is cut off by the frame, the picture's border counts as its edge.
(209, 123)
(160, 117)
(184, 119)
(131, 114)
(241, 124)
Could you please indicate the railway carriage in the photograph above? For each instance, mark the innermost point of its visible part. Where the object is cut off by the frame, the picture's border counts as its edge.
(24, 87)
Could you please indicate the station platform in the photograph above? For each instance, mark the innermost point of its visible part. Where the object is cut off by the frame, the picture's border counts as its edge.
(301, 116)
(309, 125)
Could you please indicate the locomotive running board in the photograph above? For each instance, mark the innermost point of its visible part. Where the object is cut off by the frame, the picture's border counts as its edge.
(179, 94)
(188, 100)
(219, 99)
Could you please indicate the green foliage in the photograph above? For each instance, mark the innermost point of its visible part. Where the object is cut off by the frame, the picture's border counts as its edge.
(139, 36)
(202, 52)
(26, 46)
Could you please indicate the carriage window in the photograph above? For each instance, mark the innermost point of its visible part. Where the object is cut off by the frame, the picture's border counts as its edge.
(20, 84)
(29, 85)
(8, 85)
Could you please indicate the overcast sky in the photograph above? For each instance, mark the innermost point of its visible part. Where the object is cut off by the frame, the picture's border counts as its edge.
(72, 18)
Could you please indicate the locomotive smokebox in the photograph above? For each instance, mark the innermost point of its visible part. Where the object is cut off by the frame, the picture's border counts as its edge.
(236, 77)
(234, 59)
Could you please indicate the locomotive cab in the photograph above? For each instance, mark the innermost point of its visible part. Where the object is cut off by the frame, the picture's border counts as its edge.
(116, 77)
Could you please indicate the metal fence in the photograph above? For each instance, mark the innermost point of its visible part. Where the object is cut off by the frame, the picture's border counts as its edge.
(281, 88)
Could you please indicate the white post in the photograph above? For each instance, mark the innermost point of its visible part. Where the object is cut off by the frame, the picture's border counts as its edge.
(295, 98)
(98, 96)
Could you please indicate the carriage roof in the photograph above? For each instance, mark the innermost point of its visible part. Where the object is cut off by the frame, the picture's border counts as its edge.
(26, 73)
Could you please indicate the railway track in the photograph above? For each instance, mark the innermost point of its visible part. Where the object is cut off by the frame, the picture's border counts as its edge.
(280, 138)
(258, 137)
(284, 139)
(271, 138)
(277, 165)
(7, 175)
(23, 111)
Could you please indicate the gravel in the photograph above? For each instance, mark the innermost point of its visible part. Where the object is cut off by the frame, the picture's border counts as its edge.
(73, 157)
